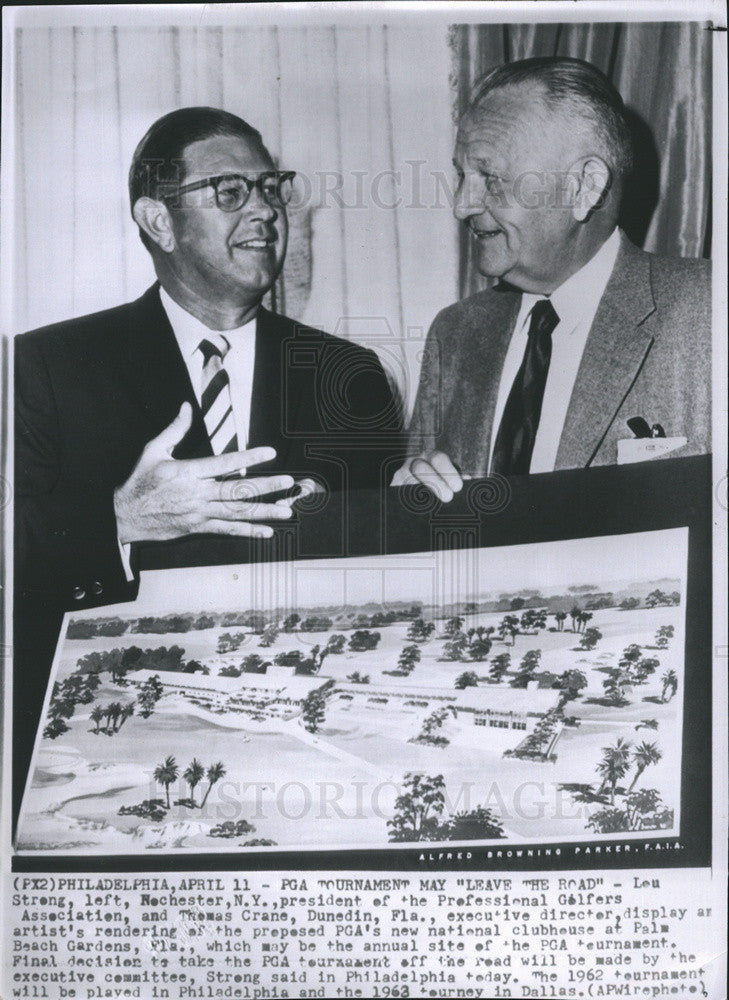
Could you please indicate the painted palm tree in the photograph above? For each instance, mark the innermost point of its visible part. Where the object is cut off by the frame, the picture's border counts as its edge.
(214, 773)
(166, 774)
(193, 775)
(560, 618)
(669, 680)
(113, 711)
(126, 712)
(582, 619)
(614, 765)
(97, 714)
(644, 755)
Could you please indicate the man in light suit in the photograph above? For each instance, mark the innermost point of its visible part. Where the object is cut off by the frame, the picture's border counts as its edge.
(588, 351)
(133, 425)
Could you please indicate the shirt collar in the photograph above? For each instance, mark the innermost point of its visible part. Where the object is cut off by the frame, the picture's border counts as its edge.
(580, 294)
(189, 330)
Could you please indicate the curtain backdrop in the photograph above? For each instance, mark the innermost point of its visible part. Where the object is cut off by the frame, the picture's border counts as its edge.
(363, 113)
(663, 72)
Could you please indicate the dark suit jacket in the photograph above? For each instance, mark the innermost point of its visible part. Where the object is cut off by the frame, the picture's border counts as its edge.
(91, 392)
(648, 354)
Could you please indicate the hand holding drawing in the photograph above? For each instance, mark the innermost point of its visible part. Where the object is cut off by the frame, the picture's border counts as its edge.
(433, 469)
(166, 498)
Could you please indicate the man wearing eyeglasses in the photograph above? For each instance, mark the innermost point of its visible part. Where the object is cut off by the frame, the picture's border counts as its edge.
(143, 423)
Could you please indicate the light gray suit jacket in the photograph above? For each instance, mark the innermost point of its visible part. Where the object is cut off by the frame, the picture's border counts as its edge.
(648, 354)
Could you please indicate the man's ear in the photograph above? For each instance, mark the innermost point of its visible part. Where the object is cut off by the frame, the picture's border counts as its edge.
(590, 180)
(153, 218)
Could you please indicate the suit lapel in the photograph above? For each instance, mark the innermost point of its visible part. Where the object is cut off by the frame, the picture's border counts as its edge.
(471, 411)
(614, 353)
(156, 375)
(271, 397)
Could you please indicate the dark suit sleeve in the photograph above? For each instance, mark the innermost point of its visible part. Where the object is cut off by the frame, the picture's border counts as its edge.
(363, 412)
(66, 550)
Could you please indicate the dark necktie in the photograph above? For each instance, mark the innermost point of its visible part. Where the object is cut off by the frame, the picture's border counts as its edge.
(518, 429)
(215, 402)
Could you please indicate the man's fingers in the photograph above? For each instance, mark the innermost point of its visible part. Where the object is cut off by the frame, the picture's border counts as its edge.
(233, 461)
(447, 470)
(242, 529)
(173, 433)
(233, 510)
(424, 473)
(247, 490)
(403, 476)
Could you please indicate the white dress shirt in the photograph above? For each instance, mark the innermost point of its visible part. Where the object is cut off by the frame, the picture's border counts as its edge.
(575, 302)
(238, 363)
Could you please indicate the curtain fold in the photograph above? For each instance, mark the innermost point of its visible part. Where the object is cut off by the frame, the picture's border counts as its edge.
(663, 72)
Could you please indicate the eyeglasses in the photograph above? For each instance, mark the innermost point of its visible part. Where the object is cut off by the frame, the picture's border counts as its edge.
(232, 191)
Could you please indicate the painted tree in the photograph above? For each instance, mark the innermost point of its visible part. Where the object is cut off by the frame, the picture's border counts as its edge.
(418, 808)
(475, 824)
(560, 617)
(631, 655)
(456, 647)
(571, 682)
(429, 732)
(528, 621)
(644, 755)
(113, 712)
(316, 623)
(657, 598)
(614, 765)
(214, 774)
(358, 678)
(88, 689)
(290, 658)
(469, 678)
(582, 619)
(669, 682)
(663, 636)
(529, 664)
(575, 612)
(313, 710)
(538, 741)
(290, 622)
(127, 711)
(193, 775)
(509, 628)
(409, 656)
(97, 714)
(629, 603)
(150, 693)
(646, 666)
(617, 685)
(363, 640)
(165, 774)
(270, 635)
(590, 638)
(479, 643)
(499, 666)
(254, 664)
(420, 630)
(335, 644)
(453, 626)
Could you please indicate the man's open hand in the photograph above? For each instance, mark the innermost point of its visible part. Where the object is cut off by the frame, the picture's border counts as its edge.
(168, 498)
(433, 469)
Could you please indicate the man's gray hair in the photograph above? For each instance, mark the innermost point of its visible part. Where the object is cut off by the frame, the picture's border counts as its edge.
(574, 88)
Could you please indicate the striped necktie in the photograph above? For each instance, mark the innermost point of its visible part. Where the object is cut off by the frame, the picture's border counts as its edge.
(217, 409)
(518, 429)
